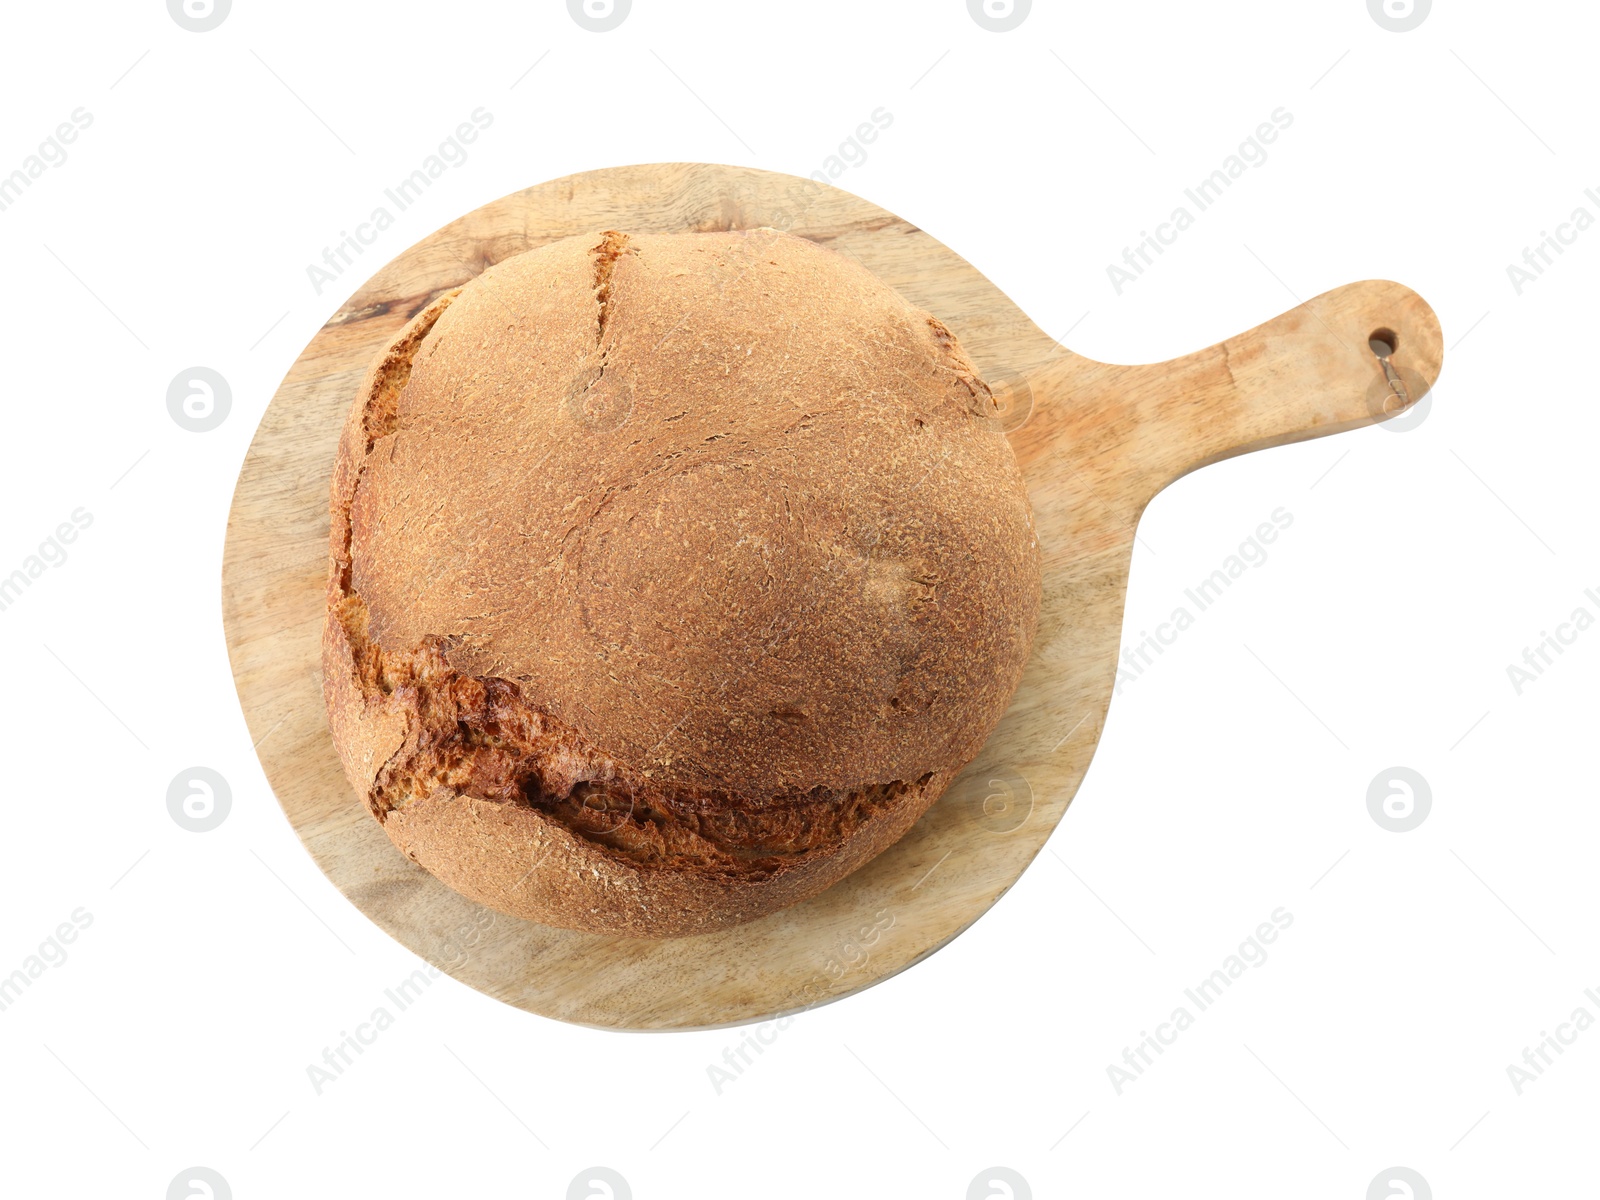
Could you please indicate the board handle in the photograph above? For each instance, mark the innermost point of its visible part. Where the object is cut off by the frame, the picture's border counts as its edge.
(1353, 356)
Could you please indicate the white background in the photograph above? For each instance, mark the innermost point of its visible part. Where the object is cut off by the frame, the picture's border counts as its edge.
(1231, 778)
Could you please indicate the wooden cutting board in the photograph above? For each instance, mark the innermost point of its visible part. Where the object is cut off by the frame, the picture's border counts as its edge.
(1095, 441)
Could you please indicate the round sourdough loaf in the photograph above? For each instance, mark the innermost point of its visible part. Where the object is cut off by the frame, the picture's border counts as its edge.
(673, 578)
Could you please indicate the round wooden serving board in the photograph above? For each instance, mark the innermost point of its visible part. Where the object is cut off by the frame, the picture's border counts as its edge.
(1095, 441)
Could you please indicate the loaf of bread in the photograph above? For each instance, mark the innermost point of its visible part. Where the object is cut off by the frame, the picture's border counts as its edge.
(673, 577)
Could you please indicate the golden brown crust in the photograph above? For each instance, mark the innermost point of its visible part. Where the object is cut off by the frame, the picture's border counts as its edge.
(672, 578)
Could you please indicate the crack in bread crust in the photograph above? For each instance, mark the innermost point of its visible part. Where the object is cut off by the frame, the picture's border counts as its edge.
(476, 736)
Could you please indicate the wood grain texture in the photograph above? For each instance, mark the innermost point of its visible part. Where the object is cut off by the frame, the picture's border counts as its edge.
(1096, 441)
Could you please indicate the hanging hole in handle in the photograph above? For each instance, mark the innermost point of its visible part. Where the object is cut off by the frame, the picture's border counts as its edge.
(1383, 341)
